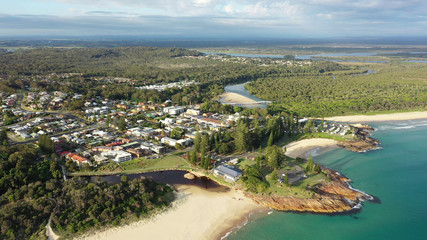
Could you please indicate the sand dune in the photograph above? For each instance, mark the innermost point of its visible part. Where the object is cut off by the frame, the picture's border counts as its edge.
(197, 214)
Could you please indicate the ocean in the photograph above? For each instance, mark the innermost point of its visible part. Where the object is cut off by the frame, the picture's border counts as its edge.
(396, 174)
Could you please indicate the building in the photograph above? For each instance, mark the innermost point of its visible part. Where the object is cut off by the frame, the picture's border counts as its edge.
(193, 112)
(122, 106)
(173, 110)
(117, 156)
(169, 141)
(77, 158)
(228, 173)
(130, 145)
(100, 159)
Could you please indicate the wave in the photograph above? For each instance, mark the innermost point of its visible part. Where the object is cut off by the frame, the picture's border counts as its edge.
(400, 126)
(244, 223)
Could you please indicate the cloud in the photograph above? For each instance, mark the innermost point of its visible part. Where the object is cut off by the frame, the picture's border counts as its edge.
(222, 17)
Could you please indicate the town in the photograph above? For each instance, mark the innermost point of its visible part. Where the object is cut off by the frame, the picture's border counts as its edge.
(111, 132)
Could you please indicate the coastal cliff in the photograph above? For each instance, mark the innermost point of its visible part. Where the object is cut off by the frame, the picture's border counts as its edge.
(335, 196)
(364, 142)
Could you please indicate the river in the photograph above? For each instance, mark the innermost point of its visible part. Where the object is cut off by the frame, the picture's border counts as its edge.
(322, 56)
(240, 89)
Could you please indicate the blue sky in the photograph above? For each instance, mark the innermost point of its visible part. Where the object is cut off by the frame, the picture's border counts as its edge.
(214, 18)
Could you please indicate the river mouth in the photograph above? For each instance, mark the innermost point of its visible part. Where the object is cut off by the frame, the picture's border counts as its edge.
(174, 178)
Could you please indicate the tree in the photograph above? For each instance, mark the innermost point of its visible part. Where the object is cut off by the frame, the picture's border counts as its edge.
(310, 163)
(46, 144)
(177, 133)
(179, 146)
(122, 124)
(274, 175)
(204, 144)
(194, 157)
(274, 156)
(108, 120)
(3, 136)
(197, 142)
(207, 162)
(241, 139)
(316, 168)
(286, 180)
(270, 139)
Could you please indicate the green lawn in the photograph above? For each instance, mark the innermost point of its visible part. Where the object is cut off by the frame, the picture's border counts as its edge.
(167, 162)
(140, 165)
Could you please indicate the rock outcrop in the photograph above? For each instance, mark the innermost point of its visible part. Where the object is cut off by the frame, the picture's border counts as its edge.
(335, 196)
(364, 142)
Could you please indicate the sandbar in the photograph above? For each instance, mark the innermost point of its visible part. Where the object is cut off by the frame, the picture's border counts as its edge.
(231, 97)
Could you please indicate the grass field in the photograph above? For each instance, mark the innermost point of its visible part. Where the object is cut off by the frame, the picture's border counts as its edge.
(140, 165)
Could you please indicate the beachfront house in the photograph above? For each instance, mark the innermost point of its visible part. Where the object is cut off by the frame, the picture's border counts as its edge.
(230, 174)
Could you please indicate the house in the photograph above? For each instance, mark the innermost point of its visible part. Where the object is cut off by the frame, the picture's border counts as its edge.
(130, 145)
(122, 106)
(193, 112)
(152, 147)
(294, 175)
(77, 159)
(228, 173)
(100, 159)
(136, 152)
(169, 141)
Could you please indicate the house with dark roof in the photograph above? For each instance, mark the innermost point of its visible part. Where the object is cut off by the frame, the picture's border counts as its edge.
(229, 173)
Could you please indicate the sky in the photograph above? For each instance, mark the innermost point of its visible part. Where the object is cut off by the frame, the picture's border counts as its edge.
(214, 18)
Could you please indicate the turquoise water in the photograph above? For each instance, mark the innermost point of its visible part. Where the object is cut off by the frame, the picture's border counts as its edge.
(397, 175)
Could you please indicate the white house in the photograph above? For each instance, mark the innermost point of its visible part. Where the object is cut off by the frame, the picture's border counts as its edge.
(169, 141)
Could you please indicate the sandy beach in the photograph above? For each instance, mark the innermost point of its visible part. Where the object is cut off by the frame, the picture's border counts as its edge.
(380, 117)
(196, 214)
(304, 147)
(235, 98)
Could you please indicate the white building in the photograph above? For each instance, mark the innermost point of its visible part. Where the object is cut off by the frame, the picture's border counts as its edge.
(173, 110)
(117, 156)
(169, 141)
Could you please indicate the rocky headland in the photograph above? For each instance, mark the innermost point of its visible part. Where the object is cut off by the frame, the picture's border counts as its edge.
(364, 141)
(332, 197)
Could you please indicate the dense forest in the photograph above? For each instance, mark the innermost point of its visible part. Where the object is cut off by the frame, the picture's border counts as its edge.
(32, 191)
(144, 65)
(394, 86)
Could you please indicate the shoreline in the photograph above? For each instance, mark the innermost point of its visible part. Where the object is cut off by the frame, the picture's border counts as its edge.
(380, 117)
(195, 214)
(303, 148)
(231, 97)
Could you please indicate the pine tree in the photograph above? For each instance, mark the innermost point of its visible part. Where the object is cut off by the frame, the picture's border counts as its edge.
(122, 124)
(194, 157)
(270, 139)
(202, 161)
(310, 163)
(207, 162)
(204, 145)
(197, 142)
(241, 138)
(316, 168)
